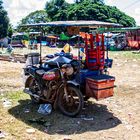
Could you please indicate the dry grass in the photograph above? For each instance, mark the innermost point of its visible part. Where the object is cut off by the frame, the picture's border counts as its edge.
(10, 76)
(45, 50)
(113, 118)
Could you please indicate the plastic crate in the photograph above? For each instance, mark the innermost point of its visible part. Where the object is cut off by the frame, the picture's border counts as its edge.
(87, 73)
(100, 87)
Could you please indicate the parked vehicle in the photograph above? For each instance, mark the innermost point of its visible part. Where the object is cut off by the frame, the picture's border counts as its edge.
(66, 82)
(51, 84)
(133, 37)
(120, 41)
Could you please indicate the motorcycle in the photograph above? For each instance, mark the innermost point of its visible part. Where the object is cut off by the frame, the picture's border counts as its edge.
(55, 86)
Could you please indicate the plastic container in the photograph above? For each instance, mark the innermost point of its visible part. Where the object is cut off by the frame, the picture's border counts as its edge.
(87, 73)
(45, 109)
(32, 59)
(100, 87)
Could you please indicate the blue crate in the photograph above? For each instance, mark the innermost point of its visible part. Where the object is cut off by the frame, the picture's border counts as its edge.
(85, 73)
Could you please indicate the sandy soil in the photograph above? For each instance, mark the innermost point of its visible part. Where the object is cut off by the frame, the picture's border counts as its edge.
(115, 118)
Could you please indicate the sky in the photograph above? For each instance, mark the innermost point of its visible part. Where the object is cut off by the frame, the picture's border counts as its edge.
(18, 9)
(130, 7)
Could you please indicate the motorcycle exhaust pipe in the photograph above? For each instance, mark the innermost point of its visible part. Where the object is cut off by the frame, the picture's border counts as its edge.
(30, 93)
(27, 91)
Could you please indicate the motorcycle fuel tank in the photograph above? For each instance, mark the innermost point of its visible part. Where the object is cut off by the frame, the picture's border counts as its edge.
(51, 75)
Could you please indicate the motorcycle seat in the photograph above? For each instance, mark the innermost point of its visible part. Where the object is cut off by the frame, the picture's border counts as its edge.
(40, 72)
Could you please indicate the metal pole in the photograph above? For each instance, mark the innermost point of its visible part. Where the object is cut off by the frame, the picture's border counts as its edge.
(79, 47)
(41, 46)
(107, 45)
(79, 61)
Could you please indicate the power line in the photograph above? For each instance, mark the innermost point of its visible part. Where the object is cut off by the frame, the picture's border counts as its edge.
(132, 4)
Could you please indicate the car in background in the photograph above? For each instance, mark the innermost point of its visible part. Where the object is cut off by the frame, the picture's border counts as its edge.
(19, 40)
(120, 41)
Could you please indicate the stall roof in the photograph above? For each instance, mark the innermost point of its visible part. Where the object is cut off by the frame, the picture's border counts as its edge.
(34, 32)
(18, 34)
(81, 23)
(131, 28)
(118, 29)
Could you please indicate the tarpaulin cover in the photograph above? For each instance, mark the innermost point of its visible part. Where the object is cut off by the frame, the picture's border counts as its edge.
(64, 37)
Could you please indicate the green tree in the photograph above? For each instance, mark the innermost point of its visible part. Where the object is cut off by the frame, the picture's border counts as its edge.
(35, 17)
(4, 21)
(57, 10)
(55, 7)
(10, 30)
(90, 1)
(88, 10)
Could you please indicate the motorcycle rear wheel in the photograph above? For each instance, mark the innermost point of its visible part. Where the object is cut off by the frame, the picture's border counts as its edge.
(74, 104)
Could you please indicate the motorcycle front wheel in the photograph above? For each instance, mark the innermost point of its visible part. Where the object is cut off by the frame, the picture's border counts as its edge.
(34, 88)
(72, 103)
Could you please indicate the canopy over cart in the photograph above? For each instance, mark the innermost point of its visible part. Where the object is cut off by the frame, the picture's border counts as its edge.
(81, 23)
(77, 24)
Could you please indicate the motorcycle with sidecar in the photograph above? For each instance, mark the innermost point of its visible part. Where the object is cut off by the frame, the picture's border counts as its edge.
(51, 83)
(66, 83)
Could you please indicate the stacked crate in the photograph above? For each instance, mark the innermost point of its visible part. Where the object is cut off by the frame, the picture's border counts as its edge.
(95, 51)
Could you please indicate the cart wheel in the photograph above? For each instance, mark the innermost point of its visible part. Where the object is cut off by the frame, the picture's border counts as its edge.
(72, 105)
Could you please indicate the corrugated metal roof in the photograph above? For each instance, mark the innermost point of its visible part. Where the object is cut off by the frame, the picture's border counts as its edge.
(131, 28)
(81, 23)
(118, 29)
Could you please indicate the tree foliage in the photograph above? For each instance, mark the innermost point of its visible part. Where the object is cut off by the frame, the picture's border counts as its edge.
(35, 17)
(4, 21)
(60, 10)
(40, 16)
(56, 9)
(90, 1)
(87, 10)
(10, 30)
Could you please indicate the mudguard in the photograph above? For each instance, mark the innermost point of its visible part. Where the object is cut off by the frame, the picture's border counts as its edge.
(73, 82)
(28, 81)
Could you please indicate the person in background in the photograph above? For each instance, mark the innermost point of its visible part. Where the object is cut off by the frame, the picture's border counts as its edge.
(9, 49)
(1, 44)
(38, 39)
(67, 48)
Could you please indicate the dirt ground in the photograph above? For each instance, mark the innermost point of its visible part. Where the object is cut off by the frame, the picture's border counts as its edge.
(117, 117)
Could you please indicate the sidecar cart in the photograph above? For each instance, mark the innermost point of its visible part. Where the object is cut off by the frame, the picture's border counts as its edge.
(97, 84)
(100, 87)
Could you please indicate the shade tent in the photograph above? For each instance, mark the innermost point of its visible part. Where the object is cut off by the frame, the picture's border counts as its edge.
(18, 34)
(34, 33)
(64, 37)
(52, 37)
(58, 59)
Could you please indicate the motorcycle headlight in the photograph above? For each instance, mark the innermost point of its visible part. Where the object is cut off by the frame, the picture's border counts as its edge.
(67, 69)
